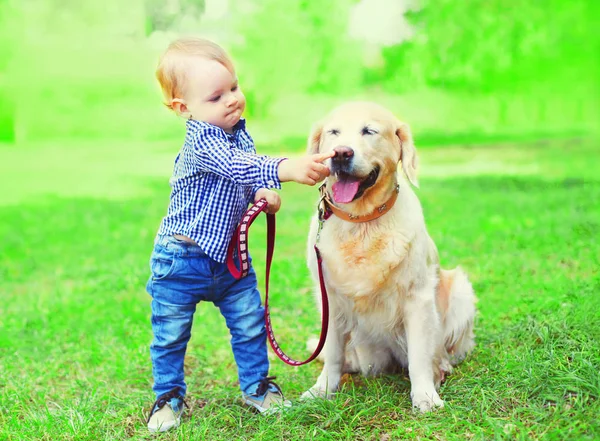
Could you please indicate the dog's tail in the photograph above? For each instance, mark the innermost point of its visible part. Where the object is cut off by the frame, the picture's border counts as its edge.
(456, 302)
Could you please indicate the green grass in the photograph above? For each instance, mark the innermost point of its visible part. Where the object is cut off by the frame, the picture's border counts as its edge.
(76, 233)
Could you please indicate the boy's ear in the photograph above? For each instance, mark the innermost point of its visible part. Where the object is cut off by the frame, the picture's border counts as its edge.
(408, 152)
(179, 107)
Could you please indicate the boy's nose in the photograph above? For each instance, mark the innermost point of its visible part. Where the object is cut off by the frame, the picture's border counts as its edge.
(232, 100)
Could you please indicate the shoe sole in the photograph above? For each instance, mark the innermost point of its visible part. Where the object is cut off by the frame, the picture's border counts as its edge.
(271, 410)
(165, 427)
(257, 407)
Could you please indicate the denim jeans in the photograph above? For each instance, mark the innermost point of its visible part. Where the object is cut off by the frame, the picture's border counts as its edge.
(182, 276)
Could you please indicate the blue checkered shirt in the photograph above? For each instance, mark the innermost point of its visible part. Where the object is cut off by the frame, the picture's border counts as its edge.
(215, 177)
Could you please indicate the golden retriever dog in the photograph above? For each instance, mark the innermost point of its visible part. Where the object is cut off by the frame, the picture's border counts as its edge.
(391, 306)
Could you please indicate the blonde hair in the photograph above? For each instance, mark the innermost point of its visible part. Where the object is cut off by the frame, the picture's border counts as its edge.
(170, 72)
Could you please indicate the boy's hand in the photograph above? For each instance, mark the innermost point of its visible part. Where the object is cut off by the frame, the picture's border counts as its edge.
(305, 170)
(272, 198)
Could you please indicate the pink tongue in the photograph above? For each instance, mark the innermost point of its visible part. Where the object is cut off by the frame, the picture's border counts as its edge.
(344, 191)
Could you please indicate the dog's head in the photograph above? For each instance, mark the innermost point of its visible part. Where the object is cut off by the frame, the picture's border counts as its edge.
(369, 142)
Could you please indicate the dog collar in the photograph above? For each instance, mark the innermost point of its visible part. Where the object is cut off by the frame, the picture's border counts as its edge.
(327, 208)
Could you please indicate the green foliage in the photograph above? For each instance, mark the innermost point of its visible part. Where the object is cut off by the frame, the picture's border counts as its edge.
(166, 15)
(296, 46)
(8, 31)
(495, 46)
(86, 69)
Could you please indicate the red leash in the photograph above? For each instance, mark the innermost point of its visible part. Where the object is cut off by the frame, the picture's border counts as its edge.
(240, 240)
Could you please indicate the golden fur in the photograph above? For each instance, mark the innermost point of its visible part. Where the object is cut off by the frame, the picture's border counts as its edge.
(390, 304)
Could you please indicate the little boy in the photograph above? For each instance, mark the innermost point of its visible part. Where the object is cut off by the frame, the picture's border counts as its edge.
(216, 175)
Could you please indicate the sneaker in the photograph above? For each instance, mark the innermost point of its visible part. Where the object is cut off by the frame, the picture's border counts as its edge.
(166, 411)
(268, 397)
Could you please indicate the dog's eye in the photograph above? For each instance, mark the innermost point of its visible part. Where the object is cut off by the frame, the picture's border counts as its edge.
(334, 132)
(368, 131)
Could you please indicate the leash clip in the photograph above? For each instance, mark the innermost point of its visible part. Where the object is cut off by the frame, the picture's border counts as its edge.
(320, 217)
(322, 190)
(321, 209)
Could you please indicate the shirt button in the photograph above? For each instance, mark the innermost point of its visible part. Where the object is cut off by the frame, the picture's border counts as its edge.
(270, 182)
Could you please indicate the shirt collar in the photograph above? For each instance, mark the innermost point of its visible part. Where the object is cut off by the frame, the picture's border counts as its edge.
(192, 124)
(240, 125)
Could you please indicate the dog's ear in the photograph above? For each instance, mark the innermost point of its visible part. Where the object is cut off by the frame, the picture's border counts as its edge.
(314, 140)
(408, 153)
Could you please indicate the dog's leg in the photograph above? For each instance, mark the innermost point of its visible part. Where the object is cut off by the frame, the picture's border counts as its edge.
(334, 359)
(422, 327)
(456, 302)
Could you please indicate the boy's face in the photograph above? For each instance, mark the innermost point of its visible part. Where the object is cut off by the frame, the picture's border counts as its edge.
(212, 93)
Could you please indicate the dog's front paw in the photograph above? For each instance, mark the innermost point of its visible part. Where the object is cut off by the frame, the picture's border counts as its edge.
(426, 401)
(316, 392)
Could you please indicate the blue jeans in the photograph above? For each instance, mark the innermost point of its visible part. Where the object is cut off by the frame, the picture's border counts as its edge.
(182, 276)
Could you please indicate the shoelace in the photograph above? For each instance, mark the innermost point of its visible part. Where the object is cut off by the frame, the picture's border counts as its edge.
(164, 399)
(264, 384)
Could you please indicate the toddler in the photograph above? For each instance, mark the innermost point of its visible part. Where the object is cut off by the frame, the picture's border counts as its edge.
(217, 173)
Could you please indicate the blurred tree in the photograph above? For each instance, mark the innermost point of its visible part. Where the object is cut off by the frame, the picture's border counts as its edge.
(165, 15)
(296, 46)
(69, 52)
(63, 19)
(495, 45)
(8, 33)
(491, 51)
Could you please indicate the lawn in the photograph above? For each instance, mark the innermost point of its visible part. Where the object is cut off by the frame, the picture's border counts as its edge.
(76, 231)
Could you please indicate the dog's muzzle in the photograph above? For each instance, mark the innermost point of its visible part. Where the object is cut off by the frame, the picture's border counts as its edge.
(343, 160)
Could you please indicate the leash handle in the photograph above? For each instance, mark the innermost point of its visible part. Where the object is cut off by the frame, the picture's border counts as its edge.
(240, 240)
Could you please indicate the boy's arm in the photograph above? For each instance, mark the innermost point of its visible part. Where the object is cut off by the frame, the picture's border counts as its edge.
(215, 155)
(255, 188)
(273, 199)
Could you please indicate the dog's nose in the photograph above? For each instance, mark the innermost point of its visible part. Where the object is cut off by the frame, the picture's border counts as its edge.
(342, 154)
